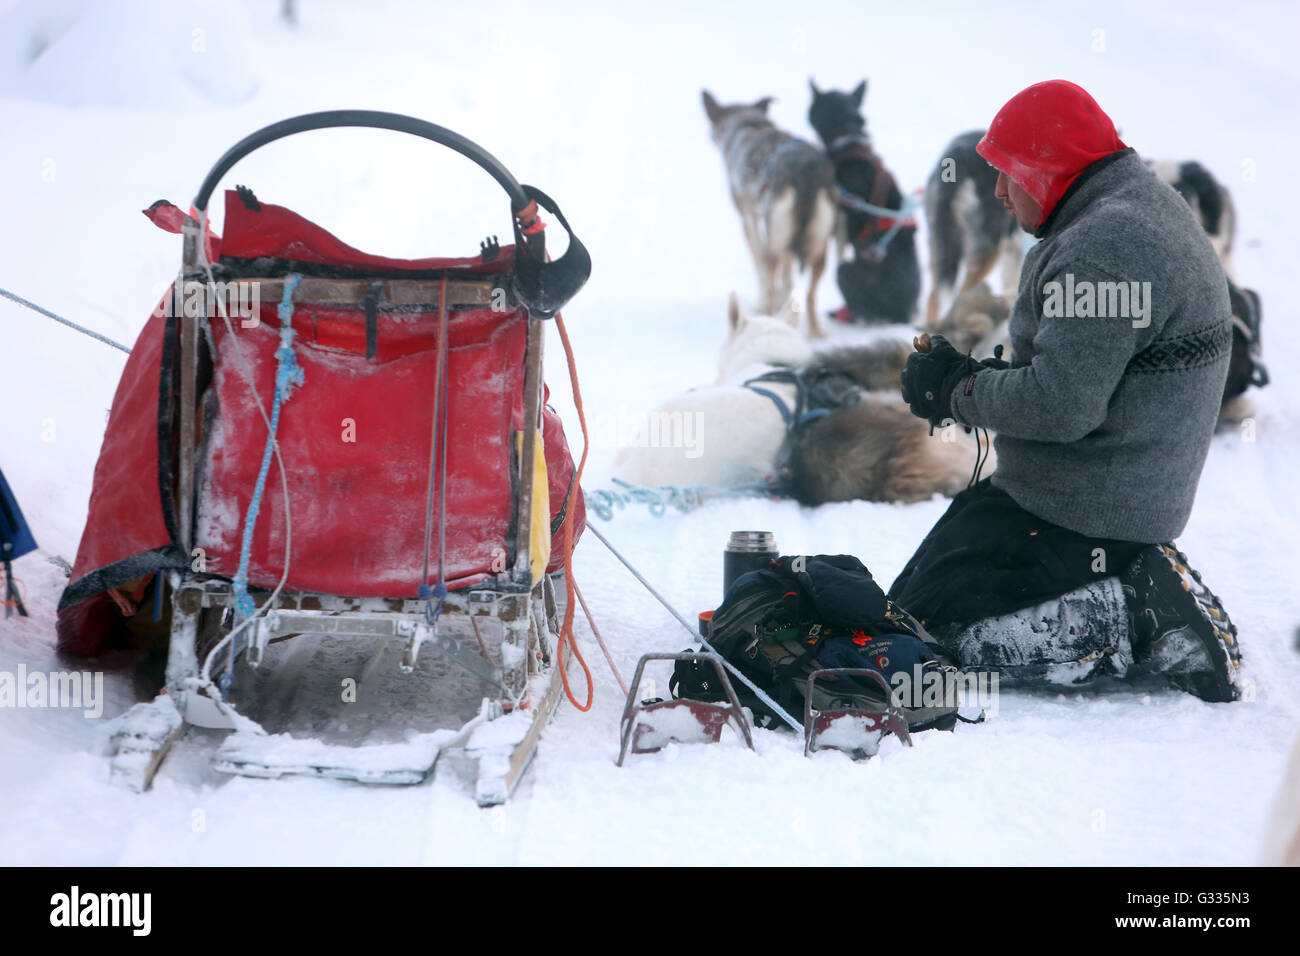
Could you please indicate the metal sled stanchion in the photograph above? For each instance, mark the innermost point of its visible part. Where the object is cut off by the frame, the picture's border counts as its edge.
(855, 730)
(649, 727)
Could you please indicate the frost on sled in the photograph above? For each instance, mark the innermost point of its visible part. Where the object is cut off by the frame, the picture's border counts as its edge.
(327, 494)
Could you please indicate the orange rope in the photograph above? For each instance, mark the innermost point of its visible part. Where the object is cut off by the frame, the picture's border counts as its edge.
(528, 213)
(19, 586)
(123, 603)
(566, 630)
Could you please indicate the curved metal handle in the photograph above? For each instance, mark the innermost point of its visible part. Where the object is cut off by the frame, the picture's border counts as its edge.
(542, 287)
(373, 119)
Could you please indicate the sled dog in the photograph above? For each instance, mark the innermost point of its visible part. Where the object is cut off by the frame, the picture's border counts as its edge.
(1212, 204)
(880, 280)
(969, 228)
(870, 447)
(783, 189)
(977, 322)
(1209, 199)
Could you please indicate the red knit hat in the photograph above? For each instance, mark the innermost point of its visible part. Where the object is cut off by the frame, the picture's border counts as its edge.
(1045, 136)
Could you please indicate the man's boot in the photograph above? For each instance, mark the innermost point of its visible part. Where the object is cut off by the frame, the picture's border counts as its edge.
(1073, 639)
(1180, 628)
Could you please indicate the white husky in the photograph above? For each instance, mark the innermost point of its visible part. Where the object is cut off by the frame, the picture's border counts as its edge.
(737, 431)
(873, 450)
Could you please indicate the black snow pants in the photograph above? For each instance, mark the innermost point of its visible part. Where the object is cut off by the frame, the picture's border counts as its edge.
(987, 557)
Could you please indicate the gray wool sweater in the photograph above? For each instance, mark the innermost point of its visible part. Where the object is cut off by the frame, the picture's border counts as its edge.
(1120, 339)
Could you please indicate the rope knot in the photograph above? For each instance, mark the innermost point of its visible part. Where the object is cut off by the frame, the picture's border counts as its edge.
(430, 595)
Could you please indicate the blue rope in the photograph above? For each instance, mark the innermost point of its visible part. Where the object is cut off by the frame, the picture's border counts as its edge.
(287, 374)
(856, 202)
(432, 598)
(910, 205)
(682, 498)
(786, 415)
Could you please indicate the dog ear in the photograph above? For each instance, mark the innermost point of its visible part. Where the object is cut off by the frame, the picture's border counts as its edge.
(764, 103)
(734, 314)
(859, 92)
(813, 86)
(711, 107)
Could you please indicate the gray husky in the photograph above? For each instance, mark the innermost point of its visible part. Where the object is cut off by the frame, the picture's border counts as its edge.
(968, 226)
(783, 188)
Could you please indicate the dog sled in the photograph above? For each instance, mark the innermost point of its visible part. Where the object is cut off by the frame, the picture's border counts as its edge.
(330, 483)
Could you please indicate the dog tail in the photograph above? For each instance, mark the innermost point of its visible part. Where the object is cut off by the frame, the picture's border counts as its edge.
(814, 210)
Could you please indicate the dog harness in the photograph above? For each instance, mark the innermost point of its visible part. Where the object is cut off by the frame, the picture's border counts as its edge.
(882, 222)
(817, 392)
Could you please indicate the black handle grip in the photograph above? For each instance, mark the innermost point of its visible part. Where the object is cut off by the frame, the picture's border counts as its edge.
(543, 287)
(373, 119)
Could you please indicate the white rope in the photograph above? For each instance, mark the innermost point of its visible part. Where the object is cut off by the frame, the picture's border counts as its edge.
(284, 481)
(695, 635)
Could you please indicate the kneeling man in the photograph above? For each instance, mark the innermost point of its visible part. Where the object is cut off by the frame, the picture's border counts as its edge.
(1061, 564)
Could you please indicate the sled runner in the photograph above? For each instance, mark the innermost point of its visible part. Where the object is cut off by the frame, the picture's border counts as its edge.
(339, 470)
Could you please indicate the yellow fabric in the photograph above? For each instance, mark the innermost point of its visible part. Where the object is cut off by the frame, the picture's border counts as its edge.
(539, 544)
(540, 548)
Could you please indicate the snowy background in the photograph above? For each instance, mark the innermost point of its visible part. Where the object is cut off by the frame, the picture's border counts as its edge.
(107, 106)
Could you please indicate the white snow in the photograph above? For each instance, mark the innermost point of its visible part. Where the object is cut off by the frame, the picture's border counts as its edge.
(107, 107)
(277, 754)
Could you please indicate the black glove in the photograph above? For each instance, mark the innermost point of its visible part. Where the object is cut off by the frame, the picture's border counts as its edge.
(997, 363)
(929, 378)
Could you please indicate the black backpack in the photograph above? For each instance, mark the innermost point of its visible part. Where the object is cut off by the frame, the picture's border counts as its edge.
(810, 612)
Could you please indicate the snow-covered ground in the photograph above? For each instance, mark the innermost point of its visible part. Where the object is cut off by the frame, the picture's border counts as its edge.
(106, 107)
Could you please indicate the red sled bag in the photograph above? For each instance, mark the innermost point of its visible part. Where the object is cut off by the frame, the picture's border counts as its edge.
(354, 436)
